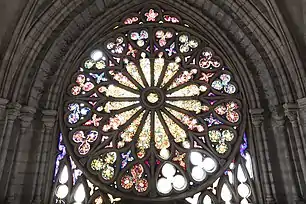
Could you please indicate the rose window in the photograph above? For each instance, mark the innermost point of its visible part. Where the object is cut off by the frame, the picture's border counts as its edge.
(152, 112)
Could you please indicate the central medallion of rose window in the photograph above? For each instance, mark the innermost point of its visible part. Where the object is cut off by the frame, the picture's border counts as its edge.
(153, 112)
(153, 98)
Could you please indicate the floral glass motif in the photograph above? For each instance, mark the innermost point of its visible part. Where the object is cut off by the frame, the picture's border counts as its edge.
(221, 138)
(105, 165)
(77, 112)
(146, 106)
(131, 20)
(223, 84)
(162, 37)
(229, 111)
(84, 140)
(151, 15)
(171, 19)
(116, 46)
(135, 179)
(82, 85)
(126, 158)
(140, 37)
(207, 61)
(187, 44)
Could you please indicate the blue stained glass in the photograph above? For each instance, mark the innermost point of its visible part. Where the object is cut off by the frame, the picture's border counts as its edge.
(244, 146)
(98, 77)
(73, 118)
(171, 50)
(76, 112)
(85, 111)
(126, 158)
(62, 153)
(212, 121)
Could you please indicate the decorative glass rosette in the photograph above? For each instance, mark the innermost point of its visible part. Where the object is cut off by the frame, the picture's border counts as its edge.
(153, 112)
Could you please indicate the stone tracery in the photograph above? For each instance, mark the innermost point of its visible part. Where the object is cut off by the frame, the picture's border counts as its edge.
(156, 91)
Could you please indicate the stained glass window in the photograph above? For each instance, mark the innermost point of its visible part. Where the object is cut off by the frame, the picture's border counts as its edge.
(153, 113)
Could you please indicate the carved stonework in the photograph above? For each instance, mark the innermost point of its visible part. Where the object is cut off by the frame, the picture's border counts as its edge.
(3, 104)
(13, 111)
(257, 116)
(49, 118)
(291, 111)
(26, 116)
(302, 103)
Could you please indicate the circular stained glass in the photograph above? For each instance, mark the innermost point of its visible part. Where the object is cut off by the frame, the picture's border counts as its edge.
(152, 112)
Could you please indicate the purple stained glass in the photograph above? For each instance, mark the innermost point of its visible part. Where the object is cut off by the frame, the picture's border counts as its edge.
(126, 158)
(244, 146)
(212, 102)
(171, 50)
(76, 112)
(62, 152)
(98, 77)
(155, 48)
(73, 118)
(212, 121)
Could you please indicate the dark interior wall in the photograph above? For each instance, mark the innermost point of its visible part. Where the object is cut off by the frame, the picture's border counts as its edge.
(294, 13)
(10, 12)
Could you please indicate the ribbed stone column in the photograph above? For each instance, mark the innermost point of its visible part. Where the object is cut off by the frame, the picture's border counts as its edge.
(3, 103)
(291, 111)
(302, 114)
(286, 163)
(17, 174)
(13, 111)
(49, 118)
(262, 146)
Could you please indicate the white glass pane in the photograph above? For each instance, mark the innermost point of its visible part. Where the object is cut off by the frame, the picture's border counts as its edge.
(79, 194)
(240, 174)
(62, 191)
(248, 164)
(64, 175)
(244, 190)
(164, 186)
(96, 55)
(226, 194)
(244, 201)
(230, 177)
(168, 170)
(198, 173)
(209, 165)
(194, 199)
(179, 182)
(196, 158)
